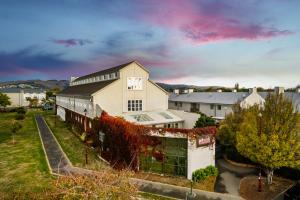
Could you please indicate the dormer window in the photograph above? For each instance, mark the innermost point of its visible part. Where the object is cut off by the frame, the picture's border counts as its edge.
(134, 83)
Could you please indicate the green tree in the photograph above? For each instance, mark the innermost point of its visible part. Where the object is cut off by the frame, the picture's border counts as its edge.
(269, 136)
(4, 100)
(33, 102)
(230, 126)
(15, 127)
(204, 121)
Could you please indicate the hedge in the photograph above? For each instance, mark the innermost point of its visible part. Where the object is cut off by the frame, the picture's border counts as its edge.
(202, 174)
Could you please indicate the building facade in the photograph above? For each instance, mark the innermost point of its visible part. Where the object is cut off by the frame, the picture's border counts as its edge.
(19, 96)
(126, 91)
(219, 104)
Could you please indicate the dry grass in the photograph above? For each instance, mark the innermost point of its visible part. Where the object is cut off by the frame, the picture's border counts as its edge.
(207, 184)
(249, 188)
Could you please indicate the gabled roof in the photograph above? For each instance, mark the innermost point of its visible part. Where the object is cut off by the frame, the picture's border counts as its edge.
(103, 72)
(85, 89)
(210, 97)
(19, 90)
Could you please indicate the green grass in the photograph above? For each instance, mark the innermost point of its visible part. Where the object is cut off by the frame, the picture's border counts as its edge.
(72, 145)
(23, 166)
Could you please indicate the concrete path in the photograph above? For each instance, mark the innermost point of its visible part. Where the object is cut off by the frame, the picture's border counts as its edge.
(59, 164)
(230, 175)
(57, 160)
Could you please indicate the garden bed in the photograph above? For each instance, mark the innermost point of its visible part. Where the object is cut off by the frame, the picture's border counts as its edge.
(249, 188)
(207, 184)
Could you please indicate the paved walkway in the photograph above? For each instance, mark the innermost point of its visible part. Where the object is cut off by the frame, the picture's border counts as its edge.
(230, 176)
(59, 164)
(57, 160)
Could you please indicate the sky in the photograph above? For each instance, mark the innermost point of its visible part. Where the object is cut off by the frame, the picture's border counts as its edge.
(200, 42)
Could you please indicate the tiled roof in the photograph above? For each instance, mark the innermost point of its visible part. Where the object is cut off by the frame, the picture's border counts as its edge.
(85, 89)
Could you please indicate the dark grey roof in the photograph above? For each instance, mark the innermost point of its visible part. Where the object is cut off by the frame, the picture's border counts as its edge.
(19, 90)
(103, 72)
(210, 97)
(85, 89)
(226, 97)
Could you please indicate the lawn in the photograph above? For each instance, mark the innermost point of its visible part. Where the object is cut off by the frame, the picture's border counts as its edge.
(72, 145)
(23, 167)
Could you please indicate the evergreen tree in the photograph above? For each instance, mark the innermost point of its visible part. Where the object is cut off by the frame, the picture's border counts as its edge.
(204, 121)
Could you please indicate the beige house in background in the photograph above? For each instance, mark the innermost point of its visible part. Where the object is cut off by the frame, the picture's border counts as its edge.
(18, 96)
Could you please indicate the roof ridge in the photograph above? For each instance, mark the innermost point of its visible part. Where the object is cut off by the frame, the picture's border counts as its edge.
(112, 69)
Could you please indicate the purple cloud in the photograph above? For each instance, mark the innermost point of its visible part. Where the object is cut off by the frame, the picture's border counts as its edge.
(71, 42)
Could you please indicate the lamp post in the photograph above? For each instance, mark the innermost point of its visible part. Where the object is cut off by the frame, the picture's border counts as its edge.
(86, 148)
(190, 195)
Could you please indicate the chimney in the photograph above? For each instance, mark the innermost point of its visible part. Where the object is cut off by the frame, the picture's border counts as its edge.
(176, 91)
(279, 90)
(191, 90)
(219, 90)
(253, 90)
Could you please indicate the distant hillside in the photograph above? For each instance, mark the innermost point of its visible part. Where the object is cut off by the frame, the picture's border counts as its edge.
(48, 84)
(170, 87)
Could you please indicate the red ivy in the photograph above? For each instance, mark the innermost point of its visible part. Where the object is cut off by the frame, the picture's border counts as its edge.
(125, 140)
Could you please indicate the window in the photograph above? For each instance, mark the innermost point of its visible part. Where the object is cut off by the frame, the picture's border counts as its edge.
(135, 105)
(106, 77)
(212, 106)
(219, 107)
(134, 83)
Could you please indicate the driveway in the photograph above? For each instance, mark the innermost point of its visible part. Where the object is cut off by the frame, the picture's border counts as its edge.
(230, 175)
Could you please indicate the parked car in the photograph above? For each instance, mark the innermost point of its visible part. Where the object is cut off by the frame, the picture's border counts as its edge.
(293, 193)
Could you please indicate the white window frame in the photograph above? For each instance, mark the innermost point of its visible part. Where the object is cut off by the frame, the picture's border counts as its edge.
(134, 83)
(135, 105)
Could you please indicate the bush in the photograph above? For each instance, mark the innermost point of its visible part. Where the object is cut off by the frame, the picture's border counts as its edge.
(21, 110)
(20, 116)
(201, 174)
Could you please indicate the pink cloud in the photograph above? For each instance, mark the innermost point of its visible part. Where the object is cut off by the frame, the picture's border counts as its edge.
(71, 42)
(208, 22)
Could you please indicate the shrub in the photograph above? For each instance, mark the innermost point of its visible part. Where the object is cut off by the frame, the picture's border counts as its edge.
(20, 116)
(201, 174)
(21, 110)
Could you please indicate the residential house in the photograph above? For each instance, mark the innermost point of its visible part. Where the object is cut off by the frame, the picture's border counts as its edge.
(19, 96)
(219, 104)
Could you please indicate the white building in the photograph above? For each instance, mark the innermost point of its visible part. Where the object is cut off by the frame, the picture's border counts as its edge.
(19, 96)
(127, 91)
(219, 104)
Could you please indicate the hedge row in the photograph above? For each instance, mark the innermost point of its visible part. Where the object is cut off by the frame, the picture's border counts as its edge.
(201, 174)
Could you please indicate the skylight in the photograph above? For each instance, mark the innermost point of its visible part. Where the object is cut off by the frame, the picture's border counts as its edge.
(165, 115)
(142, 118)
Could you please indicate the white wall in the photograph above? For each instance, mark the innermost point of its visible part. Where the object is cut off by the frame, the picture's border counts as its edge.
(199, 158)
(61, 113)
(252, 99)
(188, 117)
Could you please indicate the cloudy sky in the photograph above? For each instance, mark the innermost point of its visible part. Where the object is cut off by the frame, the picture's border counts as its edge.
(202, 42)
